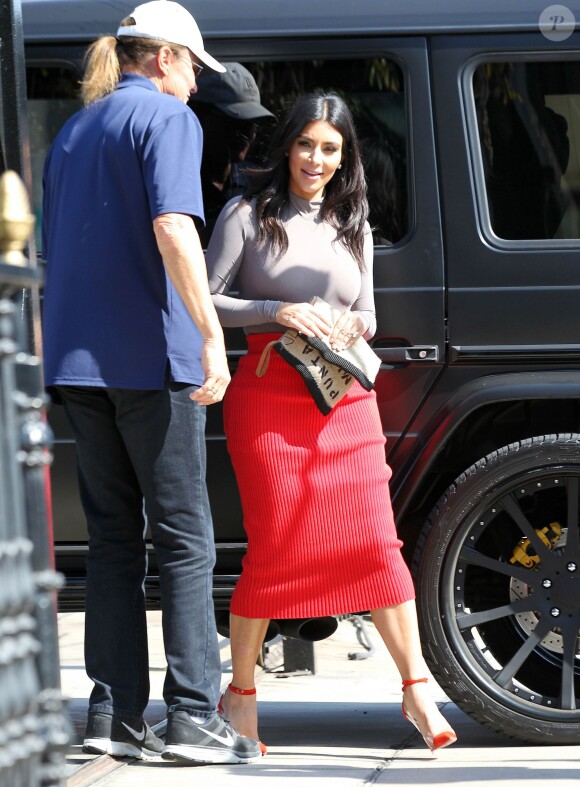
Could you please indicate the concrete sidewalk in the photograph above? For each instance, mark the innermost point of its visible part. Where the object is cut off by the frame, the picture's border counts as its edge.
(340, 727)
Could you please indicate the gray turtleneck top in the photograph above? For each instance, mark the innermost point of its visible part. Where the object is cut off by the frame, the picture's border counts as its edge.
(314, 264)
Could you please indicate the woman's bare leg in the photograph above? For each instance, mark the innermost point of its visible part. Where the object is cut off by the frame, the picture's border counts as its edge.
(399, 630)
(246, 638)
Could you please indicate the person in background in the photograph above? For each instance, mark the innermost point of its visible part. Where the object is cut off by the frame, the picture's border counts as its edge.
(229, 110)
(314, 488)
(131, 337)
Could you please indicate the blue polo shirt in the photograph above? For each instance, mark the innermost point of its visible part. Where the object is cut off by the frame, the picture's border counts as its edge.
(111, 317)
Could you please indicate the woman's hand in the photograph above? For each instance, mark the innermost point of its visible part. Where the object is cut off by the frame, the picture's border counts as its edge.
(346, 331)
(305, 318)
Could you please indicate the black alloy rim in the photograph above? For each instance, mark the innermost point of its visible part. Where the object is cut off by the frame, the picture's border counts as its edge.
(519, 624)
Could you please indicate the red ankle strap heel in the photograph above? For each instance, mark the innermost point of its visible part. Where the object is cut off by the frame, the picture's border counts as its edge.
(412, 682)
(244, 692)
(434, 742)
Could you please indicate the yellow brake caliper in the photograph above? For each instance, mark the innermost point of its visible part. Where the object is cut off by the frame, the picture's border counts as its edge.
(525, 553)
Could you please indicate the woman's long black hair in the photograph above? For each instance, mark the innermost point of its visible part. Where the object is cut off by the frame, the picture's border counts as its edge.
(344, 205)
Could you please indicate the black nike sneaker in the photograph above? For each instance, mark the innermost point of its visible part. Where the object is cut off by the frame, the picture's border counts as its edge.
(214, 740)
(118, 737)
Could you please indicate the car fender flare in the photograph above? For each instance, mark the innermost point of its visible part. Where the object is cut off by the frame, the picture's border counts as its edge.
(490, 389)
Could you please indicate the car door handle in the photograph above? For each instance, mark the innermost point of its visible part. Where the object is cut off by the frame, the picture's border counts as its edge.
(416, 353)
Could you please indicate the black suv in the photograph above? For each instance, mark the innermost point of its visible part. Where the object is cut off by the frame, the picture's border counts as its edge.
(470, 126)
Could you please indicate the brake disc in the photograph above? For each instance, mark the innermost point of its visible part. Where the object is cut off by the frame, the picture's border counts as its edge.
(529, 620)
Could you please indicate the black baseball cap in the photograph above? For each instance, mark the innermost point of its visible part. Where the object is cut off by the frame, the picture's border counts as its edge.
(234, 92)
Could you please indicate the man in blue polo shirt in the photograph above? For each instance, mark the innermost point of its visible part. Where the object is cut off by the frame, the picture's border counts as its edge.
(131, 337)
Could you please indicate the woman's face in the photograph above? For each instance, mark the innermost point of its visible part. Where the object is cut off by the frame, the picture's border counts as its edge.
(313, 158)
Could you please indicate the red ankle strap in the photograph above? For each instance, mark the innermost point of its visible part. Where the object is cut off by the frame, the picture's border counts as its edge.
(411, 682)
(245, 692)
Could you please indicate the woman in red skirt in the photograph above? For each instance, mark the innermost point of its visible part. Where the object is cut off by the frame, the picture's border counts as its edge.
(314, 488)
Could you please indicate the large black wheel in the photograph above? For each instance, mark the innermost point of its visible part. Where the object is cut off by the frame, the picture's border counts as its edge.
(497, 569)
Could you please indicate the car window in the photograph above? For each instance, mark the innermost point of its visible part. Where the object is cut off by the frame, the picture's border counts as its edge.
(374, 91)
(373, 88)
(52, 97)
(528, 116)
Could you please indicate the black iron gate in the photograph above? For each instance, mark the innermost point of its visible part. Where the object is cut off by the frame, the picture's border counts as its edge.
(33, 725)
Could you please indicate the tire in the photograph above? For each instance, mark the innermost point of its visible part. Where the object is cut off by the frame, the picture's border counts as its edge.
(499, 616)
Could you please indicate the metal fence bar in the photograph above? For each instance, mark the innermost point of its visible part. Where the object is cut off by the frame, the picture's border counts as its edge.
(32, 717)
(19, 679)
(31, 707)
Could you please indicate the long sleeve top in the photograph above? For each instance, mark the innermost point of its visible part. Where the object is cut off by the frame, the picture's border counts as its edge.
(315, 263)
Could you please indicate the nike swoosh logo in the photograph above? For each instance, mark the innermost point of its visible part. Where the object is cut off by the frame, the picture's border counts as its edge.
(227, 740)
(139, 735)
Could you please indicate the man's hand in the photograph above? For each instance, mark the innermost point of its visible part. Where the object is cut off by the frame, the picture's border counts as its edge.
(217, 375)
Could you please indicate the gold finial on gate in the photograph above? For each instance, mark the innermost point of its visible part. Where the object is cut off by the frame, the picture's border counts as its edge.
(16, 220)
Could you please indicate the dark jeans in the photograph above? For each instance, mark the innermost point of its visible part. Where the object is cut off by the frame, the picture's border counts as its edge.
(145, 451)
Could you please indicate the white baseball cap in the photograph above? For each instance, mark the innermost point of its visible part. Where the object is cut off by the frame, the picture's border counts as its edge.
(171, 22)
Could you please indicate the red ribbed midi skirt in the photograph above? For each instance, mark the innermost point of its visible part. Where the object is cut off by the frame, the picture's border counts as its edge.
(315, 497)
